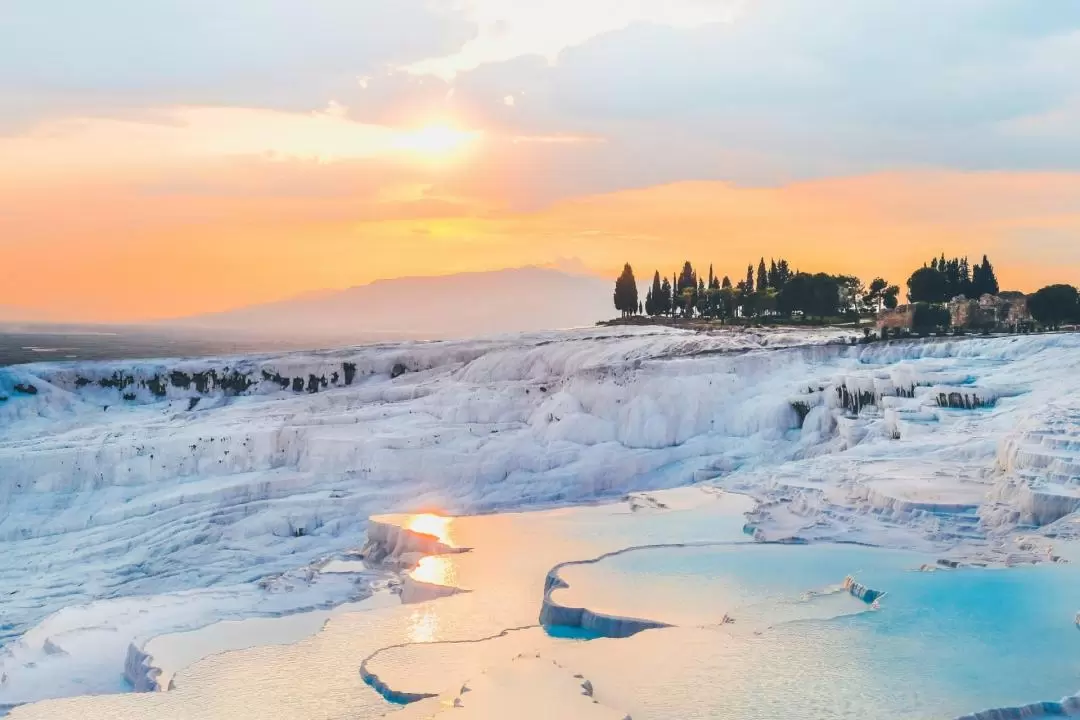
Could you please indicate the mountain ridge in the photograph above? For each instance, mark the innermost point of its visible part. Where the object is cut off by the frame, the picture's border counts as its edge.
(523, 299)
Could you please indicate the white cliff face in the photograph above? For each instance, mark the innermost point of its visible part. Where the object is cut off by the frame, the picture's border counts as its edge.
(219, 472)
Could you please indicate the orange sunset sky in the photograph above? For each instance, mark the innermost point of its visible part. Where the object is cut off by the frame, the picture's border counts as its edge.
(195, 156)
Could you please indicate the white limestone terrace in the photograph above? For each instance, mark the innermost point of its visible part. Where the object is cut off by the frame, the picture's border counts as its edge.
(510, 550)
(528, 687)
(112, 515)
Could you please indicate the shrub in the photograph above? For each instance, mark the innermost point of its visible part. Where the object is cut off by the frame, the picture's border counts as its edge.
(180, 379)
(277, 378)
(235, 383)
(350, 372)
(156, 386)
(929, 317)
(204, 381)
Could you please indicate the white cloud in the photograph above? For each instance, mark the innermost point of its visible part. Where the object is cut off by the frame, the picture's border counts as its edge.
(105, 55)
(512, 28)
(807, 88)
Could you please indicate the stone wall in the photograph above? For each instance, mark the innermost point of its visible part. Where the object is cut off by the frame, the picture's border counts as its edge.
(992, 312)
(901, 317)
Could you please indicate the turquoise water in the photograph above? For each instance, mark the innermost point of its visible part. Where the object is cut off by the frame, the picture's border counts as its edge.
(943, 644)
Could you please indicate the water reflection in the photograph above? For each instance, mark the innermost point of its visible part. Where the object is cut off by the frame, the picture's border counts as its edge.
(423, 624)
(437, 570)
(431, 524)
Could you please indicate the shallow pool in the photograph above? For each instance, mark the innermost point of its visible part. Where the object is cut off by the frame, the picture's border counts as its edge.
(942, 644)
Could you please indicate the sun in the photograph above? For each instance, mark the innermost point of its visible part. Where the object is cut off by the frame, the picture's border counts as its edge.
(435, 140)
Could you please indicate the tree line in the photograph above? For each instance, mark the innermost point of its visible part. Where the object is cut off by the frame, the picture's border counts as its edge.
(775, 290)
(771, 291)
(941, 280)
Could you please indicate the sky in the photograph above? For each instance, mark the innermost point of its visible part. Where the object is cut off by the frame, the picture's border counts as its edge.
(161, 158)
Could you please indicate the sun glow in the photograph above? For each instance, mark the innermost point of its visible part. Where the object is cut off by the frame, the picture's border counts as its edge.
(435, 570)
(434, 140)
(430, 524)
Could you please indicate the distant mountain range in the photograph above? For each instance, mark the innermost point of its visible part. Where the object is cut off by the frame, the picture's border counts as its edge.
(475, 303)
(20, 314)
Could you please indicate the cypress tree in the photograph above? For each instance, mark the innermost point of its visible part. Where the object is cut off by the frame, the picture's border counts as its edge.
(687, 279)
(626, 294)
(749, 279)
(989, 279)
(783, 274)
(659, 307)
(762, 276)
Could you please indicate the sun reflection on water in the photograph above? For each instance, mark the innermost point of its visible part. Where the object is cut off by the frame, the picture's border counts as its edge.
(435, 569)
(431, 524)
(423, 624)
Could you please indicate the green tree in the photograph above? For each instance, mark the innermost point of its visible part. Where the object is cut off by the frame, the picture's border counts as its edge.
(749, 284)
(762, 276)
(928, 284)
(712, 302)
(984, 279)
(656, 293)
(826, 298)
(687, 301)
(663, 304)
(851, 292)
(745, 293)
(687, 278)
(766, 301)
(626, 294)
(965, 277)
(701, 299)
(875, 294)
(882, 294)
(796, 295)
(779, 276)
(928, 317)
(891, 297)
(814, 295)
(729, 300)
(1055, 305)
(673, 306)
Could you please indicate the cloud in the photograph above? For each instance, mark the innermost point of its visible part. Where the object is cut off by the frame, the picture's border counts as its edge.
(109, 55)
(757, 92)
(511, 28)
(791, 89)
